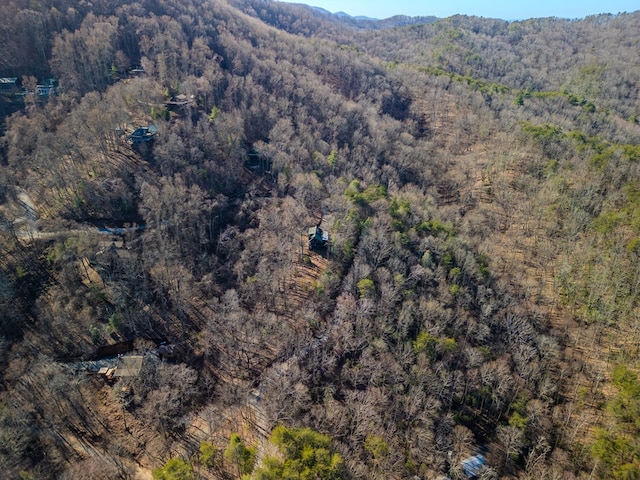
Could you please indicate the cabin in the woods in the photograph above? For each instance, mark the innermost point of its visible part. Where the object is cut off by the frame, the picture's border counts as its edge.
(180, 102)
(9, 85)
(474, 465)
(137, 71)
(143, 134)
(47, 88)
(318, 239)
(258, 163)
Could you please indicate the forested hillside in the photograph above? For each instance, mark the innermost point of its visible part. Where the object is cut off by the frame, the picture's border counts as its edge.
(169, 310)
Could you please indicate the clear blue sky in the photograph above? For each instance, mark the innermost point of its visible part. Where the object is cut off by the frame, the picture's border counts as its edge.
(504, 9)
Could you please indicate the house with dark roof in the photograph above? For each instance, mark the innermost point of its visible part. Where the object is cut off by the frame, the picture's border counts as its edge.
(318, 239)
(143, 134)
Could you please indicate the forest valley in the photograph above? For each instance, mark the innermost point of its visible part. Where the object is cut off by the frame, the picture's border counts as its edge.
(473, 313)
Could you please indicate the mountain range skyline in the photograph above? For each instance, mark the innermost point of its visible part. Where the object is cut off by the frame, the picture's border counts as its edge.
(502, 9)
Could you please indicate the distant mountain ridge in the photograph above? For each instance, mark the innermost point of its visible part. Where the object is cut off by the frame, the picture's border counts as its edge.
(364, 21)
(344, 14)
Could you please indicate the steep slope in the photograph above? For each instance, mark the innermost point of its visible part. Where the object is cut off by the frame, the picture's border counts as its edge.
(464, 213)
